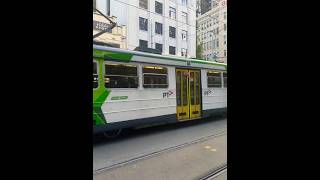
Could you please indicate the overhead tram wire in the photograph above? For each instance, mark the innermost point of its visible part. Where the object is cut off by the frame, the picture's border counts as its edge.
(182, 23)
(113, 24)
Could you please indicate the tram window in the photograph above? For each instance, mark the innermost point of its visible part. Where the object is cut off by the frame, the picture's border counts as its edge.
(214, 79)
(155, 77)
(224, 79)
(95, 75)
(121, 76)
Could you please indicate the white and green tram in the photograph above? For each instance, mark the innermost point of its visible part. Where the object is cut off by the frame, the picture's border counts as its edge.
(133, 89)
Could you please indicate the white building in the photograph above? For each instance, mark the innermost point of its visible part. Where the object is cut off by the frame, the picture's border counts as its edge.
(212, 32)
(169, 25)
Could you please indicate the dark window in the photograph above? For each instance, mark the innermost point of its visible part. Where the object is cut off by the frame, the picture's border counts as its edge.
(95, 75)
(225, 27)
(143, 24)
(159, 47)
(172, 13)
(158, 7)
(172, 50)
(184, 17)
(121, 76)
(155, 77)
(214, 79)
(158, 28)
(143, 44)
(184, 52)
(224, 79)
(172, 32)
(143, 4)
(184, 35)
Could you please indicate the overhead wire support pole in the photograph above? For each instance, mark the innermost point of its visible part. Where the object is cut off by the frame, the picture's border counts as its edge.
(113, 24)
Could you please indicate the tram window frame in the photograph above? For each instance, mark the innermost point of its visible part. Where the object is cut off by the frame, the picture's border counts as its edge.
(216, 85)
(154, 86)
(136, 76)
(97, 73)
(225, 77)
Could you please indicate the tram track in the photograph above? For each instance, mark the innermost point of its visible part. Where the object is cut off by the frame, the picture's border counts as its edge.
(165, 150)
(215, 173)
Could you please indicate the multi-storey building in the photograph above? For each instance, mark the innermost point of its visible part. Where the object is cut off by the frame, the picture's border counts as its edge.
(115, 37)
(212, 32)
(166, 25)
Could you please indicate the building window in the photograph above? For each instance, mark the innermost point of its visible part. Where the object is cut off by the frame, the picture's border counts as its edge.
(225, 39)
(184, 17)
(143, 4)
(143, 24)
(184, 35)
(184, 52)
(225, 53)
(155, 77)
(121, 76)
(158, 28)
(225, 27)
(159, 47)
(217, 42)
(224, 79)
(143, 44)
(214, 79)
(214, 43)
(172, 32)
(184, 2)
(172, 50)
(217, 31)
(158, 7)
(225, 15)
(95, 75)
(172, 13)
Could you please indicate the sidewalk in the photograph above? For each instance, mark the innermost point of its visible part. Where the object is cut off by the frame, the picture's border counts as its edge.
(190, 162)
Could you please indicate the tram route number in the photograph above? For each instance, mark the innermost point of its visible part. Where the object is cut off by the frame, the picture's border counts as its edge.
(167, 94)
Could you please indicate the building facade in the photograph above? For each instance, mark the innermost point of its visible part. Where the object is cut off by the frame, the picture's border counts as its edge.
(115, 37)
(169, 26)
(212, 32)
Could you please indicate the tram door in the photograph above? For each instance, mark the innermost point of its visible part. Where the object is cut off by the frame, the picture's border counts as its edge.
(188, 94)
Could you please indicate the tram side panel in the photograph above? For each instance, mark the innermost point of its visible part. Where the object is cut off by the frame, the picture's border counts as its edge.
(142, 105)
(214, 100)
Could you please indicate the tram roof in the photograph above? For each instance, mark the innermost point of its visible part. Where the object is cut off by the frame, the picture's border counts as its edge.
(127, 55)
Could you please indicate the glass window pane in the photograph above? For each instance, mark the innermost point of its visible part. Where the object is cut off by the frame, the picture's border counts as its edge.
(121, 76)
(154, 77)
(95, 75)
(214, 79)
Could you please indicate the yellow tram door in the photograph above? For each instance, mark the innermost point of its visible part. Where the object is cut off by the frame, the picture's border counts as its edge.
(182, 87)
(194, 89)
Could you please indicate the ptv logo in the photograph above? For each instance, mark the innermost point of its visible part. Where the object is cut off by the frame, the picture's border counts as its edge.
(207, 92)
(167, 94)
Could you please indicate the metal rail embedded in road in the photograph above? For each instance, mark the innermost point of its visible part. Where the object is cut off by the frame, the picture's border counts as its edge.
(135, 159)
(215, 173)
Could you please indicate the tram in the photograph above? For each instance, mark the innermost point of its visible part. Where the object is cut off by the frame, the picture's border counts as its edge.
(134, 89)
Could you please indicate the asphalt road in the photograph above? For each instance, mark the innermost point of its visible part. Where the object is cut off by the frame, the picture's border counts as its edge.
(145, 141)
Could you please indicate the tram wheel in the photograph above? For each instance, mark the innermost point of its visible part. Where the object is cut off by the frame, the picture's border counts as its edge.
(112, 134)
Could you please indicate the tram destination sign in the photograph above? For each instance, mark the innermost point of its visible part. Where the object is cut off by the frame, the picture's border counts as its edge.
(101, 26)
